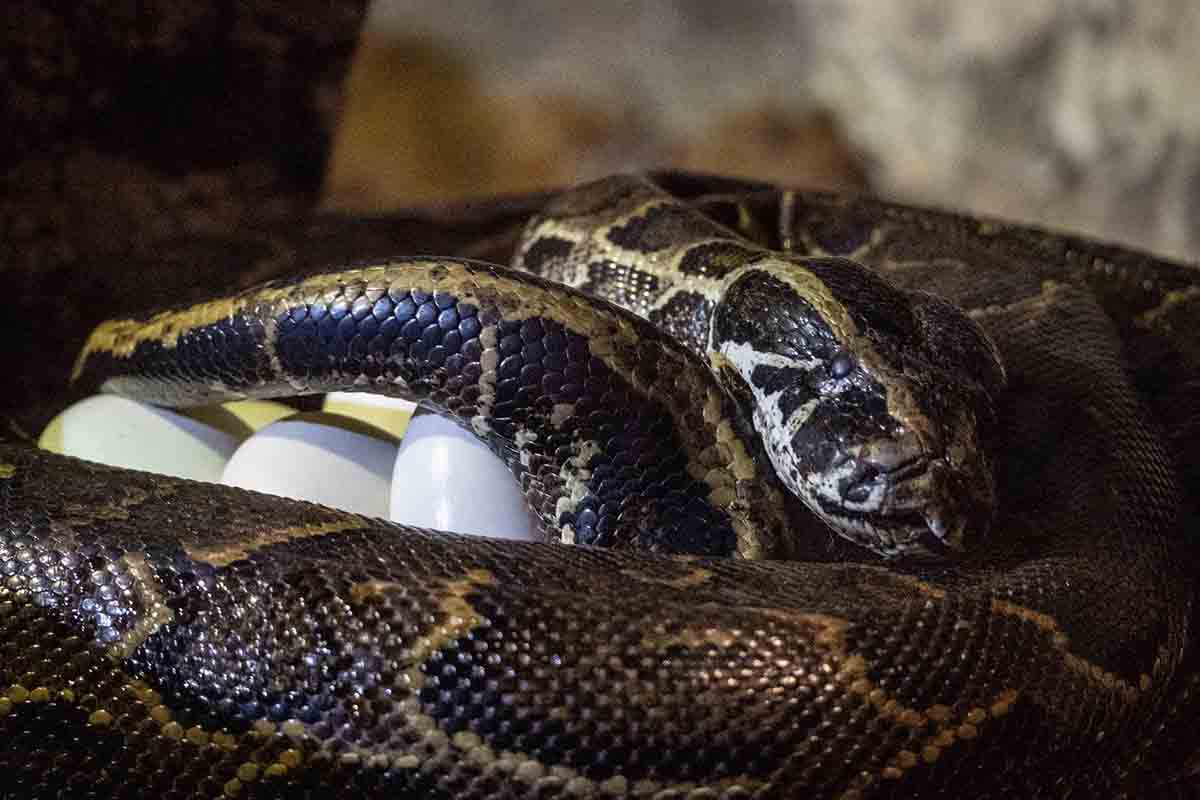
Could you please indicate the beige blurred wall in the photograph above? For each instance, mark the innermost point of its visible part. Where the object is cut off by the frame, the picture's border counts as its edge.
(1081, 114)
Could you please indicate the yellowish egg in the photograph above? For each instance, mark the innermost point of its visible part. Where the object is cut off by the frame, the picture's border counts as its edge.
(240, 418)
(389, 413)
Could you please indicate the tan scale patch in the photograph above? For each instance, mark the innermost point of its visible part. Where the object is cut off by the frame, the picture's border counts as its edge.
(7, 471)
(1170, 301)
(224, 553)
(118, 508)
(1041, 303)
(697, 576)
(787, 221)
(155, 611)
(459, 619)
(1089, 671)
(120, 337)
(909, 581)
(942, 725)
(489, 360)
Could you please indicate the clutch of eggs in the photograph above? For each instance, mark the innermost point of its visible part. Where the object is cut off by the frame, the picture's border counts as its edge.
(362, 453)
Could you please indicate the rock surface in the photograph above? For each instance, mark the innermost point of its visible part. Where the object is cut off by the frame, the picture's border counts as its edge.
(1079, 115)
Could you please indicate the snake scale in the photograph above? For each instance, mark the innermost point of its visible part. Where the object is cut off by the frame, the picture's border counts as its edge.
(708, 635)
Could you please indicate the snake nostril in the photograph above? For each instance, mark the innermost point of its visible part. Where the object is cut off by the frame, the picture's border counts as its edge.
(860, 485)
(892, 454)
(858, 493)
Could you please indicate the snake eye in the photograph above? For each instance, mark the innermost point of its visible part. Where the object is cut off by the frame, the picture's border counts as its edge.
(841, 365)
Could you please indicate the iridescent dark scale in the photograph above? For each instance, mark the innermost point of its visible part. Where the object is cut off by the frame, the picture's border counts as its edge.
(840, 235)
(1054, 660)
(638, 492)
(426, 339)
(794, 385)
(546, 249)
(749, 313)
(287, 633)
(685, 318)
(225, 353)
(623, 284)
(716, 259)
(875, 306)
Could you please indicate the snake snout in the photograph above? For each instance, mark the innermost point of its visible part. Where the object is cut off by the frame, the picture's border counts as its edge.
(884, 461)
(959, 512)
(944, 534)
(895, 457)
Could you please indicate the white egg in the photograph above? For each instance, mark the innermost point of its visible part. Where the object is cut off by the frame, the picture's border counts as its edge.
(124, 433)
(322, 458)
(437, 476)
(445, 478)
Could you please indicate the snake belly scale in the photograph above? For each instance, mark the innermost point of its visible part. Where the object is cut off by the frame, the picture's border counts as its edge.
(167, 638)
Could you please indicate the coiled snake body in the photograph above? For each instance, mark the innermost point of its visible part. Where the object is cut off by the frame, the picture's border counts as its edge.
(1034, 639)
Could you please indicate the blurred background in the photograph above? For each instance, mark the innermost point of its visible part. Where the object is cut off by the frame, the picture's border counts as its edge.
(1081, 114)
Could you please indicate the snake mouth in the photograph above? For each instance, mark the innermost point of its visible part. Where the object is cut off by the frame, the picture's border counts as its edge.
(869, 479)
(907, 508)
(957, 510)
(937, 540)
(924, 536)
(901, 534)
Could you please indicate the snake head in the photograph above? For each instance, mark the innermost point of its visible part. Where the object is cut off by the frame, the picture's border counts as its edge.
(874, 405)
